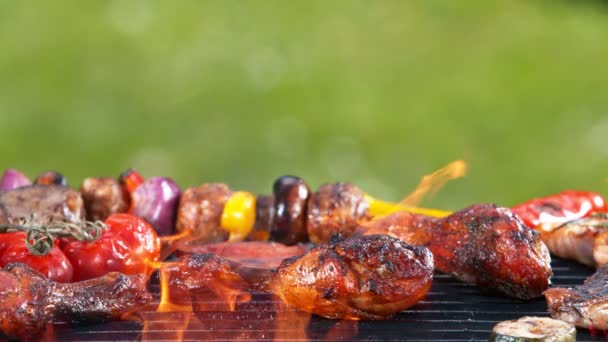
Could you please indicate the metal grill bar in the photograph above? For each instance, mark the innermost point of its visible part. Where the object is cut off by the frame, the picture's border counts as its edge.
(452, 311)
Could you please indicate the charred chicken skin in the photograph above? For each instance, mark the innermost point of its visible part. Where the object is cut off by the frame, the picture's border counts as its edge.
(30, 301)
(585, 305)
(484, 245)
(368, 277)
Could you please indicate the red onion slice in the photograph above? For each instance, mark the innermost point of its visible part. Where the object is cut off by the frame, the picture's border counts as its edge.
(156, 201)
(13, 179)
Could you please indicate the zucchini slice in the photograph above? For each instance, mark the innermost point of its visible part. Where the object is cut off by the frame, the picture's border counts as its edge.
(533, 329)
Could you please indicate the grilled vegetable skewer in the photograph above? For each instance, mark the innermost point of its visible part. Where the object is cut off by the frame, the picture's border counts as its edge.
(214, 213)
(293, 213)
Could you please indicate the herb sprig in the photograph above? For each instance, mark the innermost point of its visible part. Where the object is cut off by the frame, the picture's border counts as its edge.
(40, 237)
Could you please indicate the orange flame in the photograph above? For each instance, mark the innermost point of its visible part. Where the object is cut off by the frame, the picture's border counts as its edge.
(429, 184)
(187, 289)
(291, 324)
(169, 244)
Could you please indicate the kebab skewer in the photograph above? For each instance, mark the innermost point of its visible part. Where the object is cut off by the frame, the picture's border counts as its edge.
(211, 213)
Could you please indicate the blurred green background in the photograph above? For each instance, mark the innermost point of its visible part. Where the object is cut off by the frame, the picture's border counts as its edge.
(374, 92)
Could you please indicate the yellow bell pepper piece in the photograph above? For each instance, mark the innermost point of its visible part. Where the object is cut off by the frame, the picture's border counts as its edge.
(238, 216)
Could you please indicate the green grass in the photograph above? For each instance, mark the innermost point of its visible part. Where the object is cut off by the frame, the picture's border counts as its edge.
(374, 92)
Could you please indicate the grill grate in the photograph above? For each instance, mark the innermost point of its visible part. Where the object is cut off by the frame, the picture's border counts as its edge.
(452, 311)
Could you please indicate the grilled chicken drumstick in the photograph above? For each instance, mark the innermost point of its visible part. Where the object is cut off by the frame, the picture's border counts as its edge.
(368, 277)
(364, 277)
(484, 245)
(28, 300)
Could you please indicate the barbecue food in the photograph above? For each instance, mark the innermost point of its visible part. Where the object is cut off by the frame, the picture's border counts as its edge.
(585, 305)
(533, 329)
(13, 179)
(29, 301)
(369, 277)
(584, 240)
(364, 277)
(156, 200)
(571, 223)
(51, 178)
(103, 196)
(546, 213)
(46, 202)
(335, 209)
(484, 244)
(290, 201)
(291, 215)
(200, 212)
(213, 213)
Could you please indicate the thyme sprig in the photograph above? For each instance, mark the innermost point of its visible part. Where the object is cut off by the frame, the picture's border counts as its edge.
(40, 237)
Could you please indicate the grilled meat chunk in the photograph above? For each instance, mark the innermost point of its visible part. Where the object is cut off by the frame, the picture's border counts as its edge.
(335, 209)
(47, 202)
(29, 301)
(484, 245)
(200, 213)
(584, 240)
(585, 305)
(103, 196)
(366, 277)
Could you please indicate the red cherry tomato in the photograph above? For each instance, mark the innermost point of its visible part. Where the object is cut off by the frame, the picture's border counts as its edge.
(7, 239)
(129, 246)
(54, 265)
(560, 208)
(130, 180)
